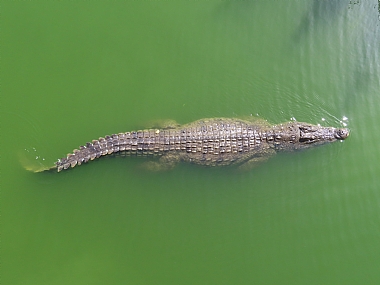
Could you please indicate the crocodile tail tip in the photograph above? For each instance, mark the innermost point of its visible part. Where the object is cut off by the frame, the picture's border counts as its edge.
(33, 165)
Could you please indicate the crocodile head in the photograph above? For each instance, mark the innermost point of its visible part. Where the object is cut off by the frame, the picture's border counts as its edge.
(315, 135)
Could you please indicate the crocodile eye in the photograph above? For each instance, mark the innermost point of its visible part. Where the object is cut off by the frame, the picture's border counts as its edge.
(307, 140)
(308, 128)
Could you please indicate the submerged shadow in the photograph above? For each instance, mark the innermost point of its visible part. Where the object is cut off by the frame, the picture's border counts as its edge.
(320, 12)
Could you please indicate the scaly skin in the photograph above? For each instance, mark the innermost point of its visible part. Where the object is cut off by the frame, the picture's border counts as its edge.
(209, 142)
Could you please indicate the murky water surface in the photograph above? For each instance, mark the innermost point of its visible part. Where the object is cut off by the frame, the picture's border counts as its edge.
(74, 71)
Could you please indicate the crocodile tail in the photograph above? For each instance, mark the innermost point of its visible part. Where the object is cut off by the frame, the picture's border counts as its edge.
(33, 165)
(90, 151)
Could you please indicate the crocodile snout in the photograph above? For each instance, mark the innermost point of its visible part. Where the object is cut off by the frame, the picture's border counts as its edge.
(342, 134)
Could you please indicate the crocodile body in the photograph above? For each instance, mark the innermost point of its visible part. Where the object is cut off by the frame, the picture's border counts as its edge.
(209, 142)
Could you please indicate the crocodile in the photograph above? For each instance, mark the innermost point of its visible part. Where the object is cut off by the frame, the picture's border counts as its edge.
(209, 142)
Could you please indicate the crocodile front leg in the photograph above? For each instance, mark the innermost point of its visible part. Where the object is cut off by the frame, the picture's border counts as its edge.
(166, 124)
(256, 160)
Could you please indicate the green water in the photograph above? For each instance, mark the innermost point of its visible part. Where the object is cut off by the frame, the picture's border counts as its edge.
(72, 71)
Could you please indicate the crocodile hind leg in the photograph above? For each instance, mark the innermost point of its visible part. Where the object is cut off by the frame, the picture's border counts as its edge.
(166, 162)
